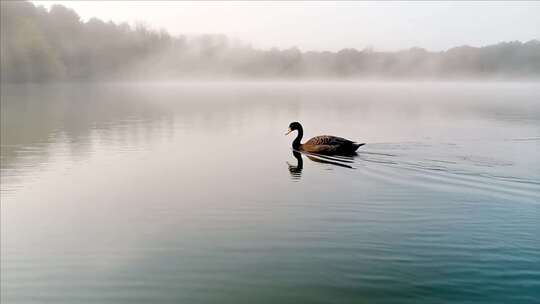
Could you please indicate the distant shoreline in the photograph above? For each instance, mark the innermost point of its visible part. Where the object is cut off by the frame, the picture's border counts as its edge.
(55, 45)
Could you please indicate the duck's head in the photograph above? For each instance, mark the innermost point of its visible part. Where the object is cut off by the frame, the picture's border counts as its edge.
(294, 126)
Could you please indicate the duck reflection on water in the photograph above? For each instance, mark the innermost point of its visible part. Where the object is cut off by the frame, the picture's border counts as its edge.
(296, 170)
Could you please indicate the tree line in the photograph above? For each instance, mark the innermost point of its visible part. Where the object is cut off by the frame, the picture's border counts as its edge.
(40, 45)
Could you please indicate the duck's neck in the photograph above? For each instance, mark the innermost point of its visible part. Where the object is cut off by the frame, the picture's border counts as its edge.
(299, 161)
(296, 143)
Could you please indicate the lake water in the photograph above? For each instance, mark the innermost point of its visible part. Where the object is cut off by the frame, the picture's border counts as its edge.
(190, 193)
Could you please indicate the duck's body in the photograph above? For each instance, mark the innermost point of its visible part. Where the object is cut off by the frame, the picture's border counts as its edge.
(327, 144)
(324, 144)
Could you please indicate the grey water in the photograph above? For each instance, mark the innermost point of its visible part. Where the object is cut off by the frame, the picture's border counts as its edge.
(190, 193)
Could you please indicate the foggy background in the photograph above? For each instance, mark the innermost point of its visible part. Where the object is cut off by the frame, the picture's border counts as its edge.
(330, 25)
(45, 41)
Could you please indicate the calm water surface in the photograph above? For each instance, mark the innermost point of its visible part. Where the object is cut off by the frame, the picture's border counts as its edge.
(190, 193)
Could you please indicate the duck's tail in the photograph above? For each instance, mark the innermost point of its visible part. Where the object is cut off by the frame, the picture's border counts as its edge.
(355, 146)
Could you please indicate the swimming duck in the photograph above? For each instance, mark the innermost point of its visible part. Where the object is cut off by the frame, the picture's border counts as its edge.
(324, 144)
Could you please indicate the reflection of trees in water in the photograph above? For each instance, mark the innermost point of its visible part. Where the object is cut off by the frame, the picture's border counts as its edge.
(35, 118)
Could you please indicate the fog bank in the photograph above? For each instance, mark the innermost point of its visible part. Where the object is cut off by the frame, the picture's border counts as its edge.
(40, 45)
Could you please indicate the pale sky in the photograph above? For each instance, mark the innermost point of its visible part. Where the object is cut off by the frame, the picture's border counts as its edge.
(330, 25)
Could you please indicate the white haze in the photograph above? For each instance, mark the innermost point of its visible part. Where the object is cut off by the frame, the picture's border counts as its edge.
(77, 42)
(331, 26)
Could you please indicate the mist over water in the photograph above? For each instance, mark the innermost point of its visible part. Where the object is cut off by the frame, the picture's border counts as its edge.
(54, 45)
(190, 192)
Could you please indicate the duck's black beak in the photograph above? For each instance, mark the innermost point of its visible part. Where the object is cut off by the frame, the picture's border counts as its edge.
(289, 131)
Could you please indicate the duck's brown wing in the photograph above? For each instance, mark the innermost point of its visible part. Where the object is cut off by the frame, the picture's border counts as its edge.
(326, 144)
(328, 140)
